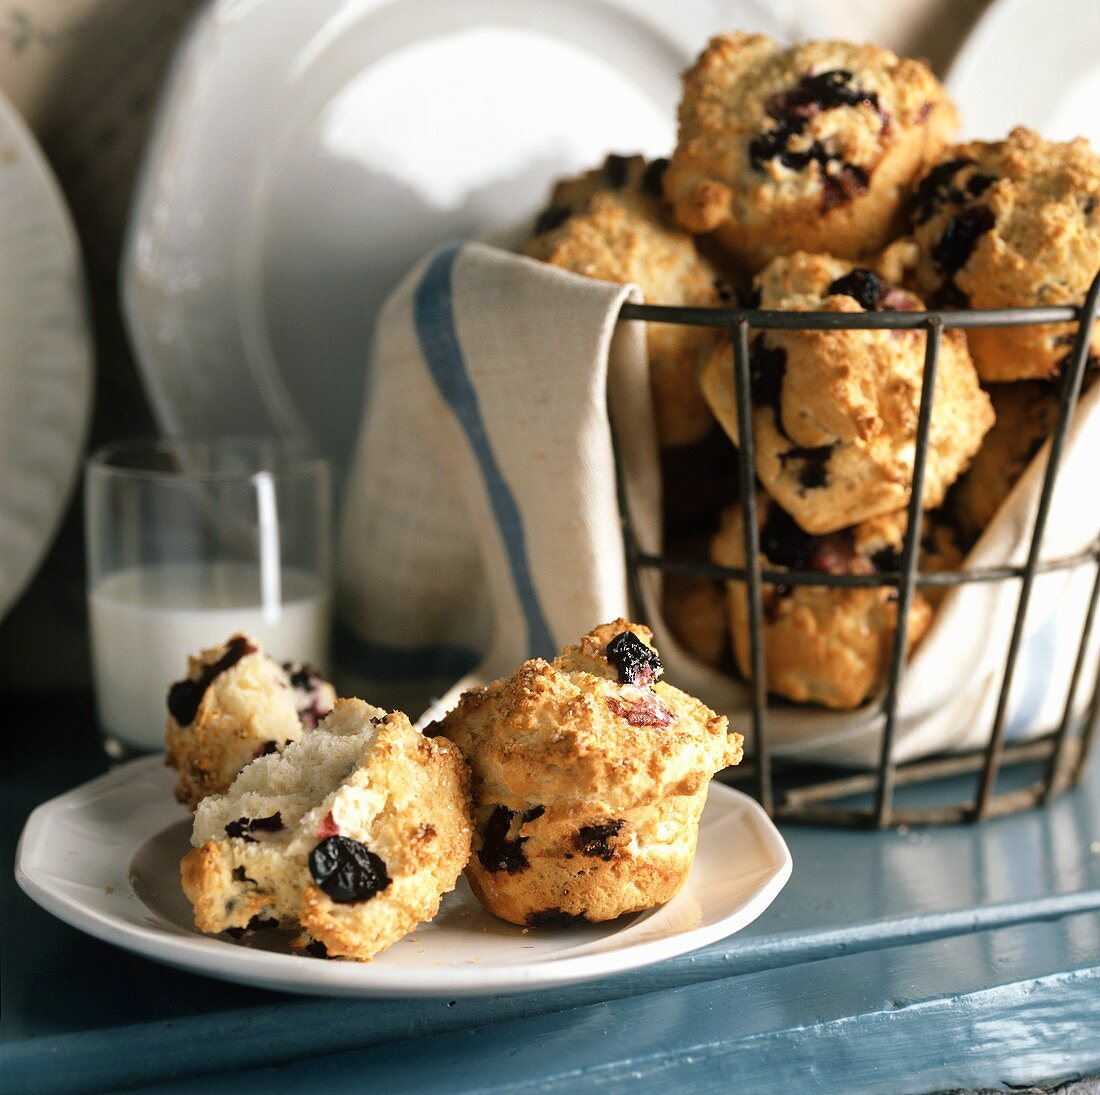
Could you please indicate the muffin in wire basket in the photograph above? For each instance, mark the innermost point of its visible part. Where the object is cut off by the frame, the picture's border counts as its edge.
(589, 778)
(1026, 414)
(828, 646)
(809, 148)
(835, 412)
(611, 224)
(1011, 224)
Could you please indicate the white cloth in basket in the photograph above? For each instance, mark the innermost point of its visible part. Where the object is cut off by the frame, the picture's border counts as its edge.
(481, 524)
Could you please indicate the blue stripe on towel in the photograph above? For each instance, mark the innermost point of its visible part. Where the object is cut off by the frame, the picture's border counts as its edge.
(433, 313)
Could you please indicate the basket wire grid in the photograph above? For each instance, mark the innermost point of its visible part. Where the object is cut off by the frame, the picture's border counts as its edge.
(811, 796)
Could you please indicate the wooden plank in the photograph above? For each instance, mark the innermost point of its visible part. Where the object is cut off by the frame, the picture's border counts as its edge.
(1010, 1007)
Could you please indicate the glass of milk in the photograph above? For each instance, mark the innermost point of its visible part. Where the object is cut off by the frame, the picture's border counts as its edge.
(188, 542)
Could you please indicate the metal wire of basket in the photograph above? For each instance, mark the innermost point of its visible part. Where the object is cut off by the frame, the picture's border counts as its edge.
(804, 794)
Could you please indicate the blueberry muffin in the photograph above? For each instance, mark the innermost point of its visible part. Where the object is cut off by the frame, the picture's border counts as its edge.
(235, 704)
(835, 412)
(611, 224)
(809, 148)
(589, 779)
(825, 646)
(1006, 224)
(695, 611)
(1026, 413)
(351, 836)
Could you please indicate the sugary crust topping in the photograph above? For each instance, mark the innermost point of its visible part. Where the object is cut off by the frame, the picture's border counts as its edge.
(836, 411)
(769, 136)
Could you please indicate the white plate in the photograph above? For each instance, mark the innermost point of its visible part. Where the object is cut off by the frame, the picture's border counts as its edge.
(105, 858)
(45, 356)
(1033, 63)
(306, 155)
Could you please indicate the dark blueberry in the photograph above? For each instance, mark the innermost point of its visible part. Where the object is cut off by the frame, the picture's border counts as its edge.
(185, 696)
(302, 676)
(726, 292)
(865, 287)
(749, 298)
(347, 871)
(499, 852)
(1088, 205)
(979, 183)
(553, 216)
(949, 297)
(615, 168)
(784, 542)
(773, 143)
(634, 662)
(240, 876)
(555, 918)
(653, 176)
(316, 948)
(849, 182)
(767, 368)
(595, 840)
(960, 237)
(887, 561)
(307, 684)
(256, 924)
(813, 473)
(823, 91)
(936, 189)
(245, 825)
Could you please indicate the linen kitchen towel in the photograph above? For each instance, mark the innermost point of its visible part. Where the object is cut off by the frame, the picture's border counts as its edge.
(481, 523)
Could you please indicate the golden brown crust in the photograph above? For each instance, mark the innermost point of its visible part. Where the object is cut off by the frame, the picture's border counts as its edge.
(836, 411)
(1013, 223)
(615, 229)
(375, 781)
(825, 646)
(587, 791)
(769, 161)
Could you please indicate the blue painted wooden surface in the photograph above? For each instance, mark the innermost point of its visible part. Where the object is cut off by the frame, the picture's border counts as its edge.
(77, 1014)
(1010, 1006)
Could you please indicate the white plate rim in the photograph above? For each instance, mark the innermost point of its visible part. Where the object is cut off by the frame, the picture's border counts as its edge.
(41, 475)
(216, 958)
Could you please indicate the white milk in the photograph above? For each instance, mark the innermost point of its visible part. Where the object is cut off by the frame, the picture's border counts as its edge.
(145, 621)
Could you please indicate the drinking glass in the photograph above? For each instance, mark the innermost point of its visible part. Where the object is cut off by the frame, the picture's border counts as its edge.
(187, 543)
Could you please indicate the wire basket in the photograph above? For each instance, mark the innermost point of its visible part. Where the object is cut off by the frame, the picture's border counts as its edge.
(797, 792)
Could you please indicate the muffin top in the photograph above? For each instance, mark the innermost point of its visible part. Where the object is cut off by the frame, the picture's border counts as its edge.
(611, 224)
(1010, 222)
(763, 128)
(593, 726)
